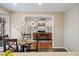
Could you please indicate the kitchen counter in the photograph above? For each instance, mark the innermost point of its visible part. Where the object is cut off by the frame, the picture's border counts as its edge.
(46, 54)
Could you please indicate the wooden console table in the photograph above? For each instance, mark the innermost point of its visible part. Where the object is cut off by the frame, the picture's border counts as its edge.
(44, 39)
(42, 35)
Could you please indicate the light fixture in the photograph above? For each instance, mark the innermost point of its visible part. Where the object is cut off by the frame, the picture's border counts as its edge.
(15, 4)
(39, 4)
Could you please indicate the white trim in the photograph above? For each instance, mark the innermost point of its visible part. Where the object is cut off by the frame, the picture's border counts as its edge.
(69, 7)
(8, 27)
(53, 33)
(58, 47)
(67, 49)
(62, 48)
(36, 15)
(53, 25)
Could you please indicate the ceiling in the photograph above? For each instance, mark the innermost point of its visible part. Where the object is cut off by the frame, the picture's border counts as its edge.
(35, 7)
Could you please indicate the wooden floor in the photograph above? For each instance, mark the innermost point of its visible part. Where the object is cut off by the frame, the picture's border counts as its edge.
(46, 54)
(51, 50)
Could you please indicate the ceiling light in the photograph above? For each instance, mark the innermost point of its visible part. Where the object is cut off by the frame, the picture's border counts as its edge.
(15, 4)
(39, 4)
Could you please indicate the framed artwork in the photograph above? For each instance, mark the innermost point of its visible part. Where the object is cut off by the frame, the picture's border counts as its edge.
(41, 24)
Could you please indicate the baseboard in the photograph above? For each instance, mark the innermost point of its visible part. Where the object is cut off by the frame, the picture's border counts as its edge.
(58, 47)
(67, 49)
(62, 48)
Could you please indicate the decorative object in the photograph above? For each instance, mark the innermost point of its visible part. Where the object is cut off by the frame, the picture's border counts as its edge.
(7, 53)
(49, 28)
(43, 19)
(21, 30)
(41, 24)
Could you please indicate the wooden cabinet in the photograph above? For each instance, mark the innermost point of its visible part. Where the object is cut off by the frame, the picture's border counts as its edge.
(45, 44)
(45, 39)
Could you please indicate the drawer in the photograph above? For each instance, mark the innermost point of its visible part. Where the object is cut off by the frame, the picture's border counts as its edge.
(42, 45)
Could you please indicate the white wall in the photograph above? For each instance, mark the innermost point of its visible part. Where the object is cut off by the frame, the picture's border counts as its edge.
(17, 18)
(71, 28)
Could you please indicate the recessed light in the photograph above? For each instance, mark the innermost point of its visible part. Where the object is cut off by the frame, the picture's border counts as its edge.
(15, 4)
(39, 4)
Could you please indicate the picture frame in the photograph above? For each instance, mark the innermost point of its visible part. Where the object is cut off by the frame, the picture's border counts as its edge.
(41, 24)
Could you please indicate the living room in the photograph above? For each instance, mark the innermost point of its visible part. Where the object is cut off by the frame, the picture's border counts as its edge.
(40, 26)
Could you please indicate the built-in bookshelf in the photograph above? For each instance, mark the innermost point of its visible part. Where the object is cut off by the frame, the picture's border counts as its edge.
(33, 24)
